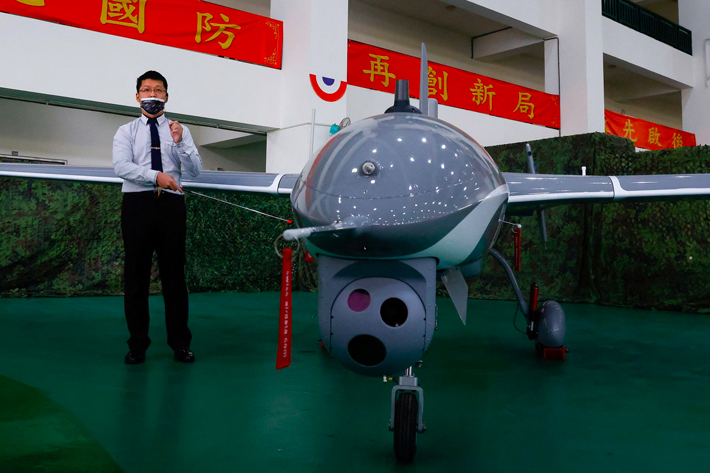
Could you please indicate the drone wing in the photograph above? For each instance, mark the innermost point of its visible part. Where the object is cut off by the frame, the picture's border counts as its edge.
(219, 180)
(530, 192)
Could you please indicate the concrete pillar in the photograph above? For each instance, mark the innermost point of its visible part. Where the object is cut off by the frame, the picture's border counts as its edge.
(694, 15)
(552, 69)
(315, 43)
(581, 66)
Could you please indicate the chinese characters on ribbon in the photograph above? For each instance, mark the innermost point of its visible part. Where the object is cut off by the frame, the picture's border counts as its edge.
(203, 23)
(677, 140)
(380, 67)
(129, 13)
(525, 105)
(483, 93)
(438, 86)
(629, 131)
(186, 24)
(376, 68)
(644, 134)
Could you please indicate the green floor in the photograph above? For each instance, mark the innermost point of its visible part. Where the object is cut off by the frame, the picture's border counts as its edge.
(632, 395)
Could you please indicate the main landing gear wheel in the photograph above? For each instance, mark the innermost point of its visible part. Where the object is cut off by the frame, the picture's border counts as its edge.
(406, 412)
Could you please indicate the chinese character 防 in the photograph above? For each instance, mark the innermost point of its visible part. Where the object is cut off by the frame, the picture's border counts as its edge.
(628, 130)
(380, 68)
(33, 3)
(203, 23)
(654, 137)
(482, 94)
(438, 84)
(124, 13)
(677, 140)
(524, 104)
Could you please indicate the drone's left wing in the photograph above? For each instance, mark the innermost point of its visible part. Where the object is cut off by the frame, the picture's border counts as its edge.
(529, 192)
(219, 180)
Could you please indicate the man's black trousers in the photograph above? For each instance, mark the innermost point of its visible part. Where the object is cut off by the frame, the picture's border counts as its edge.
(155, 223)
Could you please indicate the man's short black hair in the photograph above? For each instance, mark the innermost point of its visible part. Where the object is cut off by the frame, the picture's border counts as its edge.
(151, 75)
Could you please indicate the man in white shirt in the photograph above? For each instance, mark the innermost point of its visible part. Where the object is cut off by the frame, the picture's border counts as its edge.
(150, 154)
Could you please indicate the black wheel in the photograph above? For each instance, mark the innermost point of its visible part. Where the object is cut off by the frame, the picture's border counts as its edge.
(406, 412)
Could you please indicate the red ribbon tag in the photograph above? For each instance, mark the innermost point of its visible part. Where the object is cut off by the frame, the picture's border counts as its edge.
(534, 294)
(517, 238)
(283, 357)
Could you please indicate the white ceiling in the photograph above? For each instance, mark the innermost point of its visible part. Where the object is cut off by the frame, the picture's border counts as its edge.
(441, 14)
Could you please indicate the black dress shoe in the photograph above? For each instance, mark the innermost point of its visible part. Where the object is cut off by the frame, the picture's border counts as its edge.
(134, 357)
(184, 355)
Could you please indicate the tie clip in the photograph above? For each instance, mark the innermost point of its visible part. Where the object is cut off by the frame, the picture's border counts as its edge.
(154, 147)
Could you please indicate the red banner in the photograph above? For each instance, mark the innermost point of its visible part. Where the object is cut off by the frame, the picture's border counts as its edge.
(187, 24)
(378, 69)
(283, 357)
(646, 135)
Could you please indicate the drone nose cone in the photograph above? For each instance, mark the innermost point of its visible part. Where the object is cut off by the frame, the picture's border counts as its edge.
(398, 169)
(409, 153)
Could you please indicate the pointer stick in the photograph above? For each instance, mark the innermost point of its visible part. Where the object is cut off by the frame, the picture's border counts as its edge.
(240, 206)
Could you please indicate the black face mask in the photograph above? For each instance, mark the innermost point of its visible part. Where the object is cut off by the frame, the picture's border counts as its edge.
(152, 105)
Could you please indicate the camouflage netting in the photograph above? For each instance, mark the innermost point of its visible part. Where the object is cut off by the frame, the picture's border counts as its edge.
(562, 267)
(645, 255)
(62, 239)
(654, 254)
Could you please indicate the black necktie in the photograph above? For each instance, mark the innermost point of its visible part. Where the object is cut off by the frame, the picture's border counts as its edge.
(156, 163)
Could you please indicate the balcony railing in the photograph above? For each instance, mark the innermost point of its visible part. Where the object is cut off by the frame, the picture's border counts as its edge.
(645, 21)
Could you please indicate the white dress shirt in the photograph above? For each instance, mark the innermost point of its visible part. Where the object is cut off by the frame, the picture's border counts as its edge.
(132, 161)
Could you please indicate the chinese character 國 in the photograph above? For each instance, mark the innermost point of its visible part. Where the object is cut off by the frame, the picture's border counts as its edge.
(524, 104)
(203, 23)
(129, 13)
(380, 68)
(438, 84)
(482, 94)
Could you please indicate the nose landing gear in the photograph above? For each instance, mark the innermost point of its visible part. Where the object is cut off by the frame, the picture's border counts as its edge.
(407, 414)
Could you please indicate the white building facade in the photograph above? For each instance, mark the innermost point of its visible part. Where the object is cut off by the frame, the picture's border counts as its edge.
(64, 90)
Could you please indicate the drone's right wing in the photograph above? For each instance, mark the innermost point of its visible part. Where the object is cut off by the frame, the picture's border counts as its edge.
(529, 192)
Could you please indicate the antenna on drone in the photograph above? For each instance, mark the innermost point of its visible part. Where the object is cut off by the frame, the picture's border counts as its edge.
(423, 83)
(401, 98)
(427, 106)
